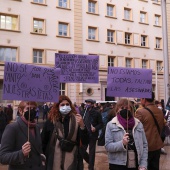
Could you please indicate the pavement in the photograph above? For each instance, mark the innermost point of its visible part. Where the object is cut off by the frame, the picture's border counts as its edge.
(101, 162)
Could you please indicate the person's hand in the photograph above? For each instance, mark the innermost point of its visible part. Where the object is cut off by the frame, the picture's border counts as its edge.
(125, 138)
(79, 120)
(26, 148)
(93, 129)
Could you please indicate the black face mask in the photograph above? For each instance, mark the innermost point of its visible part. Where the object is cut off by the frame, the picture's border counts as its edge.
(32, 115)
(125, 112)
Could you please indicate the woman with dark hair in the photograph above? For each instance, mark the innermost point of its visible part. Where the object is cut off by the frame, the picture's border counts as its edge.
(125, 140)
(61, 147)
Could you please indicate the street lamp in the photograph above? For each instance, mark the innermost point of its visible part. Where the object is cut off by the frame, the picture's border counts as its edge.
(156, 81)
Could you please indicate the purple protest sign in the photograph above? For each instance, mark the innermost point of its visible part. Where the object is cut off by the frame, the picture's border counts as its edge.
(78, 68)
(30, 82)
(129, 82)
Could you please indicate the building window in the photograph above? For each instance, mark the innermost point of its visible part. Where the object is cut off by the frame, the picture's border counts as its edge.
(111, 61)
(143, 17)
(63, 3)
(157, 20)
(155, 1)
(39, 1)
(9, 22)
(92, 6)
(128, 62)
(158, 43)
(39, 26)
(127, 13)
(144, 64)
(8, 54)
(128, 38)
(38, 56)
(110, 35)
(110, 10)
(62, 89)
(63, 29)
(159, 65)
(92, 33)
(143, 40)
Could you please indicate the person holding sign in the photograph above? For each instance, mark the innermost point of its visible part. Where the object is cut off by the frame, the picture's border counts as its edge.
(63, 144)
(125, 140)
(21, 141)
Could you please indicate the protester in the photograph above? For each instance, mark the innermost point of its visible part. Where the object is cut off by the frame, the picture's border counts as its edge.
(19, 149)
(37, 113)
(61, 147)
(125, 140)
(9, 112)
(45, 111)
(93, 122)
(3, 122)
(153, 121)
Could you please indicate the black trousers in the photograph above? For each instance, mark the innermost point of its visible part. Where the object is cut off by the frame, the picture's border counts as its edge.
(92, 151)
(153, 159)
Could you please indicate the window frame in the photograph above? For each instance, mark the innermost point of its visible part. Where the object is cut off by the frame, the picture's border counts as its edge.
(95, 33)
(11, 47)
(159, 66)
(62, 89)
(111, 37)
(17, 17)
(158, 43)
(145, 14)
(43, 27)
(68, 29)
(144, 65)
(43, 56)
(126, 64)
(111, 61)
(128, 39)
(157, 22)
(94, 9)
(144, 41)
(129, 10)
(64, 7)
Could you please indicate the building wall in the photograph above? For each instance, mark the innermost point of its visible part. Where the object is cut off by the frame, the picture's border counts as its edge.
(79, 19)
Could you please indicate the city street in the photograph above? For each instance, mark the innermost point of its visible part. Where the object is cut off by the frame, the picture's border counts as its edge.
(102, 164)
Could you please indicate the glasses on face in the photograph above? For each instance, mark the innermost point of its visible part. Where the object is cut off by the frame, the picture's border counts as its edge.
(64, 104)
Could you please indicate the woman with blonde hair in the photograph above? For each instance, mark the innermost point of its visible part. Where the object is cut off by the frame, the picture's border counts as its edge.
(125, 140)
(63, 143)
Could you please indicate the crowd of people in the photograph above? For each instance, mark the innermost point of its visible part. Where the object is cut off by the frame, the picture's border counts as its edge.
(70, 134)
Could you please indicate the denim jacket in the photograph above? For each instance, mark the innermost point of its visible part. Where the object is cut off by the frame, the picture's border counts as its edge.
(114, 143)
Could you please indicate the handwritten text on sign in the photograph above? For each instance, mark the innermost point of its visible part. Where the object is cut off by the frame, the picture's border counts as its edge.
(129, 82)
(78, 68)
(29, 82)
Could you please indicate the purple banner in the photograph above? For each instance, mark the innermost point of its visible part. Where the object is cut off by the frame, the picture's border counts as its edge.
(78, 68)
(30, 82)
(129, 82)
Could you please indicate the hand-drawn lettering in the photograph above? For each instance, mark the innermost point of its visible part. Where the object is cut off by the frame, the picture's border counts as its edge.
(77, 68)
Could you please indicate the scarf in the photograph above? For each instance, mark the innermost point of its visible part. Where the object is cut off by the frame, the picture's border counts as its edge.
(30, 124)
(124, 122)
(66, 160)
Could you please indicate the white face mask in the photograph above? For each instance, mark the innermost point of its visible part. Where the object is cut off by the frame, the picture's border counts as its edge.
(64, 110)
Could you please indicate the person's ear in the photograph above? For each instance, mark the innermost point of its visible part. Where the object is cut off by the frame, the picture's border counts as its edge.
(20, 111)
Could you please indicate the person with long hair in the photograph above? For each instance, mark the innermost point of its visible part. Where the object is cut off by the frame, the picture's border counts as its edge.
(125, 140)
(62, 134)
